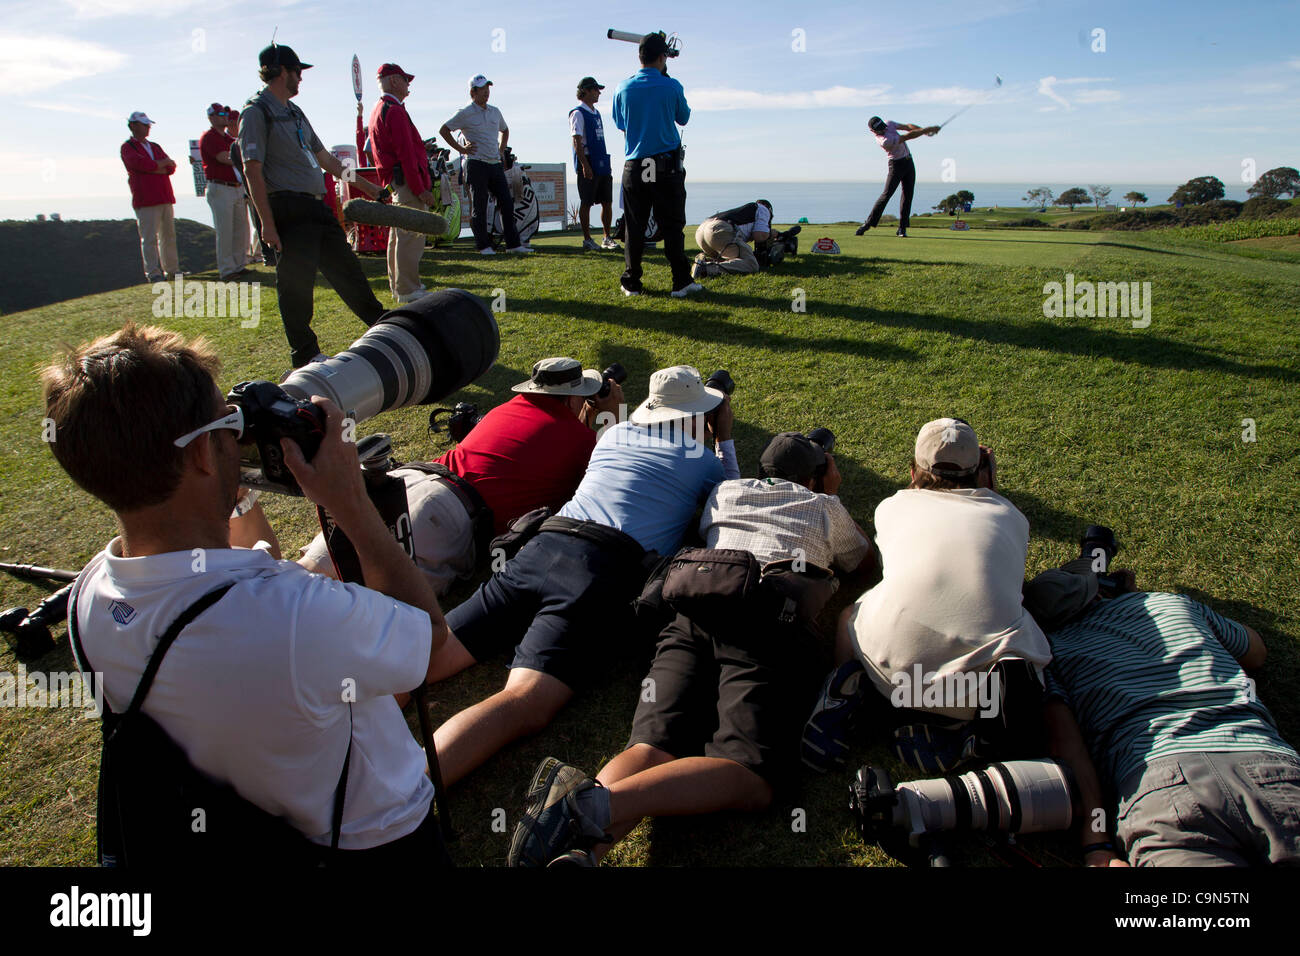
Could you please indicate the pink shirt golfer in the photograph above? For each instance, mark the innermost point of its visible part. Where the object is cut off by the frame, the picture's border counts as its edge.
(891, 142)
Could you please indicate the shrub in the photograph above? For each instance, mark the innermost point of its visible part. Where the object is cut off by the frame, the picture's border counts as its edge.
(1261, 207)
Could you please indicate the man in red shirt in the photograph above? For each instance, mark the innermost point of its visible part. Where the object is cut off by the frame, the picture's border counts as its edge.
(147, 170)
(531, 451)
(225, 194)
(403, 164)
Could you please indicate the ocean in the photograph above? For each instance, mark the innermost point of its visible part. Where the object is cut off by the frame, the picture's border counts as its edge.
(817, 202)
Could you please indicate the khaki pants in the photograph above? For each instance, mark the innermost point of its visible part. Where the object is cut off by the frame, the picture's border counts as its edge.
(405, 250)
(717, 240)
(157, 226)
(229, 208)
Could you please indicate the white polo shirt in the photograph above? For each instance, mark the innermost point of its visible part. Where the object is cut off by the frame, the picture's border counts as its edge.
(482, 126)
(256, 689)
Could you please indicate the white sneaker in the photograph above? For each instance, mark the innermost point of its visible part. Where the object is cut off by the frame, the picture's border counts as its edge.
(521, 250)
(419, 293)
(628, 292)
(610, 244)
(686, 290)
(487, 251)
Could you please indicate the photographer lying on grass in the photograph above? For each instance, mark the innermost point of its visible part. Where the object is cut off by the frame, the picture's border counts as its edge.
(719, 731)
(284, 688)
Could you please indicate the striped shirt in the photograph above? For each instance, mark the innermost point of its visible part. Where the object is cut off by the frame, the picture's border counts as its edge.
(1150, 675)
(778, 520)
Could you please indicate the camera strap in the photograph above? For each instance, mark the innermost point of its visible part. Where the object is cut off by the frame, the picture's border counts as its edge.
(481, 518)
(388, 494)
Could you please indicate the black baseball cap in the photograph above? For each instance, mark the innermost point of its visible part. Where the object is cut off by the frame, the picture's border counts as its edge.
(876, 124)
(653, 46)
(277, 54)
(791, 456)
(589, 83)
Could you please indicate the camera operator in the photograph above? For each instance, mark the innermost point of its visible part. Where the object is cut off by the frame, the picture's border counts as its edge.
(648, 108)
(949, 606)
(563, 600)
(724, 239)
(522, 455)
(1150, 688)
(720, 731)
(283, 159)
(289, 676)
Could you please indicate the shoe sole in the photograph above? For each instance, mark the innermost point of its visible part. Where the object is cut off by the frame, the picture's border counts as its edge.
(538, 800)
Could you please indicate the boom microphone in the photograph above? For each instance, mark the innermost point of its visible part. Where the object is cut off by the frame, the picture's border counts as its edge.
(674, 44)
(397, 217)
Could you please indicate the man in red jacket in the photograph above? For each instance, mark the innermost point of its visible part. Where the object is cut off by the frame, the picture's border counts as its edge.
(147, 170)
(403, 164)
(226, 196)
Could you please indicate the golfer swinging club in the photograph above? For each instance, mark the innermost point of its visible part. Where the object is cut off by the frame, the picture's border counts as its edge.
(893, 138)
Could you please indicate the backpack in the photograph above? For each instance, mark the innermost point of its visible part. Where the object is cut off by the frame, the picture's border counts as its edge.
(157, 810)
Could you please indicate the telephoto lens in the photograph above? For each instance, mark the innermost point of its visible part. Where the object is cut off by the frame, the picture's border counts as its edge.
(722, 381)
(617, 373)
(1012, 796)
(1098, 540)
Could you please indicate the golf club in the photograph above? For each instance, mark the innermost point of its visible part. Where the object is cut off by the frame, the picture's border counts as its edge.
(996, 85)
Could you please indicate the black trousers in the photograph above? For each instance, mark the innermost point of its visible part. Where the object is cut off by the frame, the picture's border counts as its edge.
(484, 179)
(902, 172)
(655, 183)
(311, 239)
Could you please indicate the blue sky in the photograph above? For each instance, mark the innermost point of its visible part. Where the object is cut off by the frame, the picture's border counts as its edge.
(1178, 91)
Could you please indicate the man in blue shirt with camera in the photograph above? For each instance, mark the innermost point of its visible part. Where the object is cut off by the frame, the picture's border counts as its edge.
(648, 108)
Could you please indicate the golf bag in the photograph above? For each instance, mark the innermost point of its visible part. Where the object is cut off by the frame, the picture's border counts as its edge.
(445, 193)
(526, 212)
(619, 229)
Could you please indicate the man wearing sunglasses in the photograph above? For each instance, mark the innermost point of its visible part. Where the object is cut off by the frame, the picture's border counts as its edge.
(283, 162)
(269, 687)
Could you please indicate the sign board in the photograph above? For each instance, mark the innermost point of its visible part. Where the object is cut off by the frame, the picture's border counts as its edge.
(356, 77)
(549, 185)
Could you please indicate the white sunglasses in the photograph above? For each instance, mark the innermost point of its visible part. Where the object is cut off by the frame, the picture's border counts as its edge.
(234, 420)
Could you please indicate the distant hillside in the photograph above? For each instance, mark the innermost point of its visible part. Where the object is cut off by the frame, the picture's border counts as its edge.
(47, 262)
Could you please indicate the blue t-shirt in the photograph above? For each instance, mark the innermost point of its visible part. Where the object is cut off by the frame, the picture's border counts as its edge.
(648, 108)
(1150, 675)
(646, 481)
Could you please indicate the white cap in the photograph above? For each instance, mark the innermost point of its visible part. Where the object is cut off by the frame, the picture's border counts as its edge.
(676, 392)
(479, 80)
(139, 117)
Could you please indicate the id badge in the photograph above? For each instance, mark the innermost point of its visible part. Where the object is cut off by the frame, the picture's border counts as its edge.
(311, 157)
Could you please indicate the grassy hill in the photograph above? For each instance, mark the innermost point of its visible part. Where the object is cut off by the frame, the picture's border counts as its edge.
(1093, 421)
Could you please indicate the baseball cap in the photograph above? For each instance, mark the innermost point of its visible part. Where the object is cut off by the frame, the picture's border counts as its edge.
(561, 376)
(876, 124)
(589, 83)
(277, 54)
(676, 392)
(479, 80)
(792, 456)
(139, 117)
(947, 447)
(216, 109)
(392, 69)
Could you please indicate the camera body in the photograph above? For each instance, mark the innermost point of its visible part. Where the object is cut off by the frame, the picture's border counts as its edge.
(777, 247)
(460, 420)
(270, 414)
(722, 381)
(616, 373)
(826, 439)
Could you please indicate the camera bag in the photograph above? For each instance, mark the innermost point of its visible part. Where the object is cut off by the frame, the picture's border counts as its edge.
(156, 809)
(519, 532)
(705, 584)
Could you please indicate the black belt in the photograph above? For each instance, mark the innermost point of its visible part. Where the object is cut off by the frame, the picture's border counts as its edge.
(603, 535)
(222, 182)
(290, 192)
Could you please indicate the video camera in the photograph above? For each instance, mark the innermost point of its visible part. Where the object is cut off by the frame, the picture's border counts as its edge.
(673, 42)
(412, 355)
(778, 246)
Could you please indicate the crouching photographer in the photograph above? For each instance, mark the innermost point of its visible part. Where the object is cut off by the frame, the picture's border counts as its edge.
(720, 727)
(270, 731)
(528, 453)
(724, 240)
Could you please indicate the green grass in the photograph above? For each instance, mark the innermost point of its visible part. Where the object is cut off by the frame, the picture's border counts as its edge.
(1092, 420)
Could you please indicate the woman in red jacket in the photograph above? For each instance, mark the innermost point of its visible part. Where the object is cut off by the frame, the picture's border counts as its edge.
(148, 169)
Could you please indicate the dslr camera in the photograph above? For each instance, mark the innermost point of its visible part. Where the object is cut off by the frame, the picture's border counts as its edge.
(778, 246)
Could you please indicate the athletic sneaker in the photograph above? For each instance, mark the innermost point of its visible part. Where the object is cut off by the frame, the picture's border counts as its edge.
(487, 251)
(686, 290)
(609, 244)
(552, 824)
(699, 270)
(419, 293)
(521, 250)
(627, 291)
(589, 245)
(934, 750)
(572, 858)
(900, 234)
(825, 743)
(861, 229)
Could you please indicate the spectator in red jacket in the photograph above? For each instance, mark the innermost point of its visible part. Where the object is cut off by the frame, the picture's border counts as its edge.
(147, 170)
(403, 165)
(225, 193)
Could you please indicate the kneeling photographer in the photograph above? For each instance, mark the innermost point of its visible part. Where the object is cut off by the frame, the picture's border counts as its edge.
(278, 690)
(525, 454)
(720, 729)
(725, 236)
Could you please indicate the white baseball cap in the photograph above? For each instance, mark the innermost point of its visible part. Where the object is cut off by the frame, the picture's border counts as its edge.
(948, 447)
(479, 80)
(676, 392)
(139, 117)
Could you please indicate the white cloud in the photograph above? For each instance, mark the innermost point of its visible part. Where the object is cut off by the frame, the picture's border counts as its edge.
(29, 62)
(1294, 63)
(728, 99)
(1098, 96)
(73, 108)
(1047, 86)
(100, 9)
